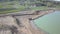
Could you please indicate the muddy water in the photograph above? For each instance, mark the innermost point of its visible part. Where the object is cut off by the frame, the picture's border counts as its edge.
(49, 23)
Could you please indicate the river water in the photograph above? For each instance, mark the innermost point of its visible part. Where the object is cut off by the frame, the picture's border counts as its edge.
(49, 23)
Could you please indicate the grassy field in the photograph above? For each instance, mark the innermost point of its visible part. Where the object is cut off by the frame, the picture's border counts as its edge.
(9, 5)
(40, 8)
(19, 7)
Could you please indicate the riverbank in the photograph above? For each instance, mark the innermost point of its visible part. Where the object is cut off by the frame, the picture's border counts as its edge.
(22, 21)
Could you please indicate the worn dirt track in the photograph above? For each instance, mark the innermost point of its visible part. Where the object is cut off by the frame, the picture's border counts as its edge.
(22, 22)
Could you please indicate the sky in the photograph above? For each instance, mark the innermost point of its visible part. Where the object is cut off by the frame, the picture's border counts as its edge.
(57, 0)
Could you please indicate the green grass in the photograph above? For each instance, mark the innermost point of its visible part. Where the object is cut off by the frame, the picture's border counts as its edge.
(1, 6)
(4, 12)
(40, 8)
(20, 8)
(57, 7)
(11, 11)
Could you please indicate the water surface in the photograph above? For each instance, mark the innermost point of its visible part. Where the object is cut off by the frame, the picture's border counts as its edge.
(49, 23)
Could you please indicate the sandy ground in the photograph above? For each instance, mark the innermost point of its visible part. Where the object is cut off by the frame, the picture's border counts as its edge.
(23, 23)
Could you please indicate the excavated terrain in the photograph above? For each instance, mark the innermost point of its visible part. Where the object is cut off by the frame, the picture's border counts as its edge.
(21, 23)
